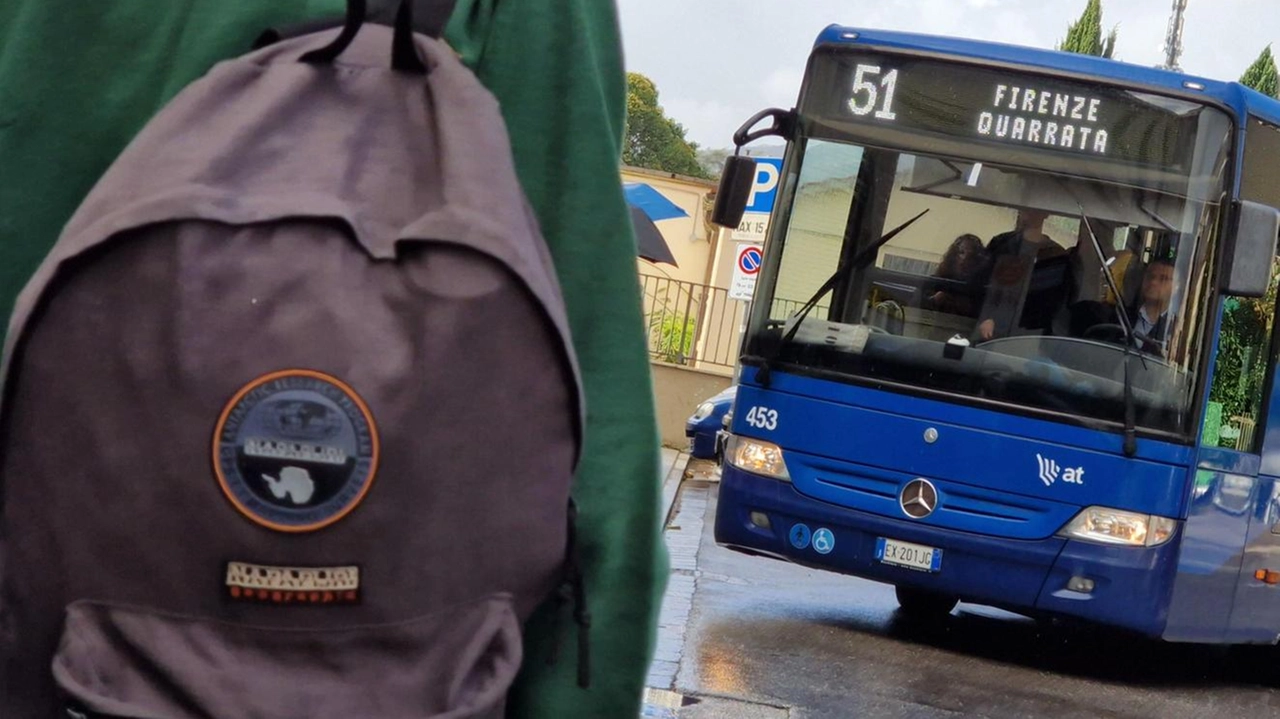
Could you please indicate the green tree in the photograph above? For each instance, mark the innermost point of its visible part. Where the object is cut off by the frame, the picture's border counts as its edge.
(1241, 372)
(653, 140)
(1085, 34)
(1261, 75)
(712, 161)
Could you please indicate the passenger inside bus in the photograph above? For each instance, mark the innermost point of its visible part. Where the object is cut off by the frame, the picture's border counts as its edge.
(1027, 280)
(965, 265)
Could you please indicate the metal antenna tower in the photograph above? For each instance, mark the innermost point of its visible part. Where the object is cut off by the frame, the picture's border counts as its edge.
(1173, 39)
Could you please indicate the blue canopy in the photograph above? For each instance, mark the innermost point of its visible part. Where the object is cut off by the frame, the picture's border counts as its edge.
(656, 206)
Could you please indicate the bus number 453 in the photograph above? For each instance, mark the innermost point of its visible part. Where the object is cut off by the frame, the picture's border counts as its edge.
(763, 418)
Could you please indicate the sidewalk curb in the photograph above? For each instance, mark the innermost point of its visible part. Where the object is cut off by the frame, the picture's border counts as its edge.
(671, 487)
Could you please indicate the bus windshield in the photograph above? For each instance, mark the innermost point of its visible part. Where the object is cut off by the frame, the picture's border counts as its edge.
(1037, 270)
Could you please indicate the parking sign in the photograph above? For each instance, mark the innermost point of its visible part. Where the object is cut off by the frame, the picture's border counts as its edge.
(755, 221)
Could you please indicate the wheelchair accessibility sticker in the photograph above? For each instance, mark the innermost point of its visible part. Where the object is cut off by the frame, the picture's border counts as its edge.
(823, 541)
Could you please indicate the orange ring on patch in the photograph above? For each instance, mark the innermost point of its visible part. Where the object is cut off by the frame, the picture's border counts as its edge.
(235, 402)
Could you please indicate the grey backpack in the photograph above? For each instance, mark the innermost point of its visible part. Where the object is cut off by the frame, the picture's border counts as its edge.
(290, 411)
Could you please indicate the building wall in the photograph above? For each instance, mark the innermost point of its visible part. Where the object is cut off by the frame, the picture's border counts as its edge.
(678, 391)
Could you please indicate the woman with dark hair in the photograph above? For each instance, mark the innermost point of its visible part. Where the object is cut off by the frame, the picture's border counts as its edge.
(965, 261)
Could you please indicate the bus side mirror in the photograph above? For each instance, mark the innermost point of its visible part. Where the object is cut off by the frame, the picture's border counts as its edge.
(1248, 270)
(735, 187)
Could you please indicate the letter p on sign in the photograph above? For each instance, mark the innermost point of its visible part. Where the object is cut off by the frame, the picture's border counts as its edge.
(765, 187)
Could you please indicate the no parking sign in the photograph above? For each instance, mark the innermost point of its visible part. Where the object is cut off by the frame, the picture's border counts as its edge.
(745, 270)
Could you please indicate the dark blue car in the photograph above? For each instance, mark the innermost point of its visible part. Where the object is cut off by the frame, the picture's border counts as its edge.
(705, 424)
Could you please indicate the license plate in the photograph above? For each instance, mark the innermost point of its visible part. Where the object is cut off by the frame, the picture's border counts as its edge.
(905, 554)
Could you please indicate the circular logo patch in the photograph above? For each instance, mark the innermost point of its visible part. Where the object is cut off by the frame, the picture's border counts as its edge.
(296, 450)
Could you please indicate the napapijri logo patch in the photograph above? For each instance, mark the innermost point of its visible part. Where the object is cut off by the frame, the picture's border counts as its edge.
(293, 585)
(295, 451)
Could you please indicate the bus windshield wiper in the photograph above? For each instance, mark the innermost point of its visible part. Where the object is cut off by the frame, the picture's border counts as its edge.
(1130, 421)
(858, 260)
(1121, 312)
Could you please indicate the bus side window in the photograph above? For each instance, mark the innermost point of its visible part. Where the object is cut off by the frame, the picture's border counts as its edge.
(1246, 346)
(1241, 376)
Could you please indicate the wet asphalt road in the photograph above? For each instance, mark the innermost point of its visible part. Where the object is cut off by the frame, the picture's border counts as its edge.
(792, 641)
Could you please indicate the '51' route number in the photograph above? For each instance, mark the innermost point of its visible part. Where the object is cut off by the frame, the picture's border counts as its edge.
(763, 418)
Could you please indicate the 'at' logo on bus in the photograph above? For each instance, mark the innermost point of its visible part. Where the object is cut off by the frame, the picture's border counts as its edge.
(1051, 471)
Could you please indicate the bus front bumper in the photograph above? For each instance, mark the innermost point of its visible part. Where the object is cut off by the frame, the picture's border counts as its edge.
(1128, 587)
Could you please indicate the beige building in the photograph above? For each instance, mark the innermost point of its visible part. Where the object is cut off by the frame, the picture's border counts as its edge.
(692, 322)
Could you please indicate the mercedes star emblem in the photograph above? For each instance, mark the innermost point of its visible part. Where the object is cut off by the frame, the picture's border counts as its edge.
(918, 499)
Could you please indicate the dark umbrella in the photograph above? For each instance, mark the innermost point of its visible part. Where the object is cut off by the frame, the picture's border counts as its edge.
(649, 241)
(649, 206)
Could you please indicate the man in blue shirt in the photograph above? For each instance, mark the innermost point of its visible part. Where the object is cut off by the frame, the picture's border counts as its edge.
(1150, 316)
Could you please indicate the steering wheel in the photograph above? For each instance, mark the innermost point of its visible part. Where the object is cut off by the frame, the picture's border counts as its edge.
(1105, 332)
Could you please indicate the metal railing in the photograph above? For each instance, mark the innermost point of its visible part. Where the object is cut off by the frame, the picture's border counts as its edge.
(783, 309)
(691, 324)
(699, 325)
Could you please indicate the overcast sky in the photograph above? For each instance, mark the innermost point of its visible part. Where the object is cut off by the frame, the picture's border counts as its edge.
(716, 62)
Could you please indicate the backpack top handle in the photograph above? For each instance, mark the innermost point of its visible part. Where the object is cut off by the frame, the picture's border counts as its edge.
(404, 55)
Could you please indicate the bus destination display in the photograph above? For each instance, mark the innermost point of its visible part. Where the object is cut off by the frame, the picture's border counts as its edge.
(1004, 108)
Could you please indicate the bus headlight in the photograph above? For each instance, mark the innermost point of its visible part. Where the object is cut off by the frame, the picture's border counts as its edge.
(1117, 526)
(757, 457)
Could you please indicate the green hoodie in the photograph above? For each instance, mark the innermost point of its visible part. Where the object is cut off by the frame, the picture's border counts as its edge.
(79, 79)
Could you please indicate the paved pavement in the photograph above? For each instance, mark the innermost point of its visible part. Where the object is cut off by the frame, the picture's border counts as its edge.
(682, 547)
(685, 492)
(659, 701)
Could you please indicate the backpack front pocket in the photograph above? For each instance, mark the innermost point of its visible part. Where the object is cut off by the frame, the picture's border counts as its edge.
(139, 664)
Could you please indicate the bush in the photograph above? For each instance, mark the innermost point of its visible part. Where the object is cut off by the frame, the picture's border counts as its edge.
(672, 338)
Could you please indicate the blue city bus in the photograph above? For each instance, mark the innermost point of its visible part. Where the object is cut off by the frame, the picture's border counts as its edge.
(1011, 342)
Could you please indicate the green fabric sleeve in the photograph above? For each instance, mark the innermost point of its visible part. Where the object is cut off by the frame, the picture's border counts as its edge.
(77, 82)
(557, 68)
